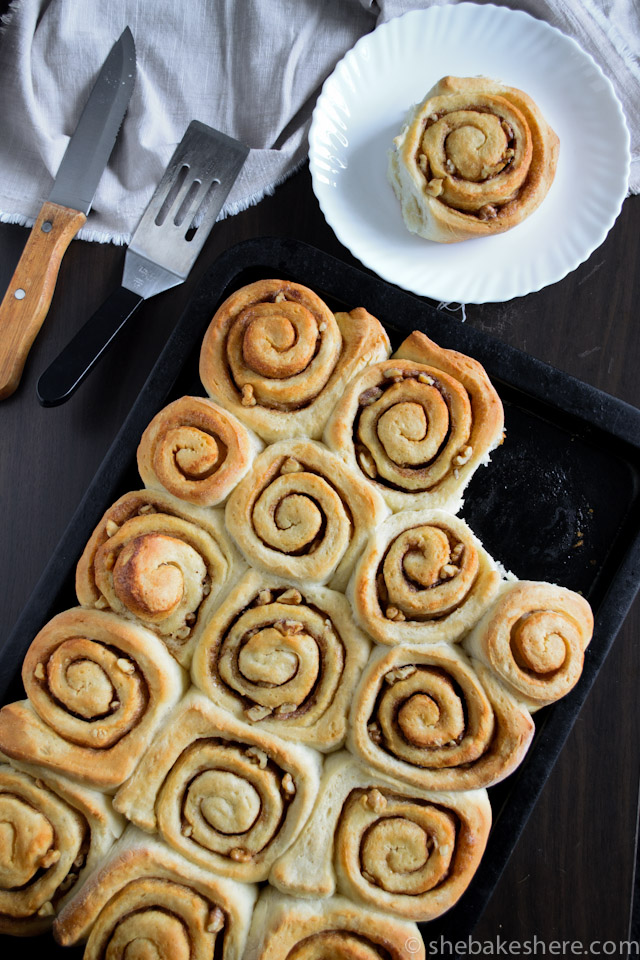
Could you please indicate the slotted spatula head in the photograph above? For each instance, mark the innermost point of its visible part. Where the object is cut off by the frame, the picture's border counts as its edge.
(183, 209)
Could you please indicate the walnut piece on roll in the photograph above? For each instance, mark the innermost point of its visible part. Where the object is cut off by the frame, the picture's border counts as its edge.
(284, 928)
(423, 577)
(278, 358)
(382, 843)
(225, 795)
(533, 637)
(436, 719)
(146, 900)
(196, 451)
(284, 658)
(160, 562)
(418, 426)
(98, 688)
(301, 513)
(475, 158)
(53, 832)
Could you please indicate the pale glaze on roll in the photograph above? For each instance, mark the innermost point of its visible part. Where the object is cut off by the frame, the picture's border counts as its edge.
(98, 688)
(301, 513)
(475, 158)
(278, 358)
(52, 834)
(423, 577)
(436, 719)
(225, 795)
(284, 928)
(196, 451)
(534, 637)
(284, 658)
(148, 901)
(419, 425)
(159, 562)
(385, 844)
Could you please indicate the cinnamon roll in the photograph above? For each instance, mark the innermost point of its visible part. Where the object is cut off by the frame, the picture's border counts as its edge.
(301, 513)
(534, 637)
(146, 900)
(423, 578)
(419, 425)
(98, 689)
(384, 844)
(474, 159)
(226, 796)
(436, 719)
(53, 832)
(284, 658)
(284, 928)
(278, 358)
(159, 562)
(196, 451)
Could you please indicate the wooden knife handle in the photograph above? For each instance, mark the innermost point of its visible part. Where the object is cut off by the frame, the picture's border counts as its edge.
(26, 302)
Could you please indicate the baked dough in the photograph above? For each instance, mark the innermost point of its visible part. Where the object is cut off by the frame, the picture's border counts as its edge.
(284, 658)
(227, 796)
(475, 158)
(278, 358)
(385, 844)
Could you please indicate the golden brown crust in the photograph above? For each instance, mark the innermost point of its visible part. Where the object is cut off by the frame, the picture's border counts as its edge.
(146, 891)
(475, 158)
(360, 815)
(434, 718)
(533, 637)
(225, 795)
(422, 578)
(98, 688)
(160, 562)
(283, 658)
(278, 358)
(196, 451)
(302, 514)
(419, 425)
(53, 833)
(284, 928)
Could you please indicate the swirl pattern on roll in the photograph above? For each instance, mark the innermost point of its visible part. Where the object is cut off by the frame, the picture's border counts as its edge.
(282, 657)
(225, 796)
(401, 849)
(475, 158)
(301, 513)
(159, 562)
(278, 358)
(98, 687)
(146, 900)
(534, 637)
(284, 928)
(423, 577)
(436, 719)
(51, 834)
(418, 426)
(196, 451)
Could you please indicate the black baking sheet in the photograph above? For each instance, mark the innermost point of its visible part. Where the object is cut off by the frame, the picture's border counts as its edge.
(559, 502)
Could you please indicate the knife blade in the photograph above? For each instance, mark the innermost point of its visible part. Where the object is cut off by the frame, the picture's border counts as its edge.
(28, 297)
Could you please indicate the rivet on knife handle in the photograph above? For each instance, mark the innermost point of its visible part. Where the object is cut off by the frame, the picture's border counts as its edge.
(27, 300)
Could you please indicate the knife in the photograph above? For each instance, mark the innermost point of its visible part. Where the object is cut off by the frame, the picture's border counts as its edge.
(26, 302)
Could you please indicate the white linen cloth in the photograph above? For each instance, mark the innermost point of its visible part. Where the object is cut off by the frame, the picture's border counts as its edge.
(251, 68)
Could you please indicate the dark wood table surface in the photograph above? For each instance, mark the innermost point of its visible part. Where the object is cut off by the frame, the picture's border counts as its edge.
(571, 876)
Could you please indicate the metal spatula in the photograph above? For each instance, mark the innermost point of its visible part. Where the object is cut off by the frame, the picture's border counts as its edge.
(163, 249)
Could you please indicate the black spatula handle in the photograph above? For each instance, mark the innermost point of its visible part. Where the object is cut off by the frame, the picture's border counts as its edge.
(63, 377)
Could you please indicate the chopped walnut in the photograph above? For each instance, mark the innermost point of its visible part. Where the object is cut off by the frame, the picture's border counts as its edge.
(509, 154)
(112, 527)
(215, 921)
(290, 596)
(391, 373)
(392, 613)
(50, 857)
(289, 627)
(367, 397)
(68, 882)
(376, 800)
(39, 672)
(435, 187)
(257, 712)
(109, 561)
(79, 861)
(182, 633)
(256, 755)
(433, 117)
(425, 378)
(125, 665)
(285, 708)
(264, 597)
(240, 855)
(291, 465)
(508, 130)
(448, 571)
(375, 733)
(423, 163)
(147, 508)
(367, 463)
(464, 456)
(187, 830)
(488, 212)
(247, 399)
(206, 588)
(114, 704)
(450, 166)
(47, 910)
(457, 551)
(399, 673)
(288, 785)
(279, 297)
(322, 327)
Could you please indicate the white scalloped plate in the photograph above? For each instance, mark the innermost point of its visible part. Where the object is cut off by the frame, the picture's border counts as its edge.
(362, 107)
